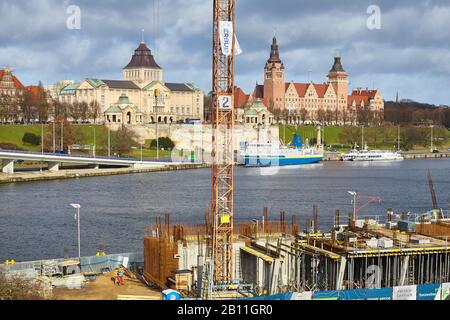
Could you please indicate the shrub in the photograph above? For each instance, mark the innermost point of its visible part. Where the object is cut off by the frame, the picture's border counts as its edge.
(31, 138)
(16, 288)
(165, 143)
(8, 146)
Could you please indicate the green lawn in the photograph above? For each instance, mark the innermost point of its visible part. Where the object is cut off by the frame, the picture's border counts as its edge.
(376, 137)
(331, 133)
(85, 135)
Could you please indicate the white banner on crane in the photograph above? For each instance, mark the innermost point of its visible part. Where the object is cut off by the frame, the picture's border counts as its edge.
(226, 32)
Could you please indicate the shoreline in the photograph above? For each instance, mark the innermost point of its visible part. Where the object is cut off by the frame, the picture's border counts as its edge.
(35, 176)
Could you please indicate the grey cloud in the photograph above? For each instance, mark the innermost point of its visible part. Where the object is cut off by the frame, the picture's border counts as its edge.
(410, 53)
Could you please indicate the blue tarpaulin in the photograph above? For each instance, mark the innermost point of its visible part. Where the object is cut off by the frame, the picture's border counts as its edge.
(298, 141)
(379, 294)
(326, 295)
(427, 291)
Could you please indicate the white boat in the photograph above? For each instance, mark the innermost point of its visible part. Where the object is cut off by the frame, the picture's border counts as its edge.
(372, 155)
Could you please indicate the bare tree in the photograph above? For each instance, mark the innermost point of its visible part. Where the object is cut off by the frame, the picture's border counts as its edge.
(321, 116)
(303, 113)
(94, 110)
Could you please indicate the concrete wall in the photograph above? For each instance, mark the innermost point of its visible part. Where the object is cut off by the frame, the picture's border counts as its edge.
(191, 136)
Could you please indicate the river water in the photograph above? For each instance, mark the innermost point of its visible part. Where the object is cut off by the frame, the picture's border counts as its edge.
(37, 222)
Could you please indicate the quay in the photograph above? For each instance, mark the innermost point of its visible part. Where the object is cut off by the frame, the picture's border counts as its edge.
(407, 155)
(85, 173)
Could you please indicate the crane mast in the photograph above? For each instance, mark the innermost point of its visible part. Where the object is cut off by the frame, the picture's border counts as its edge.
(222, 116)
(432, 191)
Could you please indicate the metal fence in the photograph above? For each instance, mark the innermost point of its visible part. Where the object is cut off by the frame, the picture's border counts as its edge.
(96, 264)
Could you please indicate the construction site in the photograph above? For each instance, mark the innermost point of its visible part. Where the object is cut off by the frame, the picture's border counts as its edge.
(277, 253)
(220, 259)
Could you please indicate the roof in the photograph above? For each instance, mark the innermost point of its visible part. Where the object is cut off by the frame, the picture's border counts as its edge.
(113, 109)
(259, 91)
(142, 58)
(301, 88)
(17, 83)
(36, 91)
(95, 82)
(72, 86)
(240, 98)
(361, 96)
(274, 52)
(120, 84)
(182, 87)
(123, 99)
(255, 108)
(337, 66)
(321, 89)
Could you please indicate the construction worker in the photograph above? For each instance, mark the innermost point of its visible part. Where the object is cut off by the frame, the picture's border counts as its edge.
(115, 278)
(120, 275)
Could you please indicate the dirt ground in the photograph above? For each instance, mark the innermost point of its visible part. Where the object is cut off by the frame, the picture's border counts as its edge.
(103, 288)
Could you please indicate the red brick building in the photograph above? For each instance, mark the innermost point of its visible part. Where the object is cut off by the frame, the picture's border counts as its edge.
(328, 102)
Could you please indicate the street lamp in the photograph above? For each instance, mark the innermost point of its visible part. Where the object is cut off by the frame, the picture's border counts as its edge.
(432, 147)
(93, 150)
(354, 194)
(109, 142)
(156, 92)
(77, 206)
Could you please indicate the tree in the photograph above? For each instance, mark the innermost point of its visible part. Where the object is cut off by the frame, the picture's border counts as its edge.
(344, 116)
(329, 116)
(364, 115)
(28, 106)
(76, 111)
(123, 140)
(303, 114)
(350, 135)
(94, 110)
(321, 116)
(5, 107)
(68, 132)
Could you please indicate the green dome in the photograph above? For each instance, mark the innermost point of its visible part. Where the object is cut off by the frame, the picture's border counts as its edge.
(123, 99)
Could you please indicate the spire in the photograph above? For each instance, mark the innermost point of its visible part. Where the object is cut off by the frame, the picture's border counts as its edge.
(337, 66)
(274, 52)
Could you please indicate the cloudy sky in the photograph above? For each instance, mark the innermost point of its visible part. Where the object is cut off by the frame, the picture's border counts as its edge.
(409, 54)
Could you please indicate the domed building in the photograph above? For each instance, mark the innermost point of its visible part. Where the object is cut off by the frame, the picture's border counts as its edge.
(176, 102)
(123, 112)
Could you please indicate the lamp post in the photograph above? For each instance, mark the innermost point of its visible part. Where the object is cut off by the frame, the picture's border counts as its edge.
(54, 137)
(77, 206)
(62, 135)
(93, 150)
(354, 194)
(109, 142)
(42, 137)
(432, 147)
(156, 92)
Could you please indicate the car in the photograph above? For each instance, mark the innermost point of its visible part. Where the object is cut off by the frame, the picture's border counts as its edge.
(435, 151)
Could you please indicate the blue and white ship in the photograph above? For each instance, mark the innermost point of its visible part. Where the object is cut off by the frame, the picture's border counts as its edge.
(257, 154)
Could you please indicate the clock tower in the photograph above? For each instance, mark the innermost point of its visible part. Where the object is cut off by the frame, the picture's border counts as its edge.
(274, 84)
